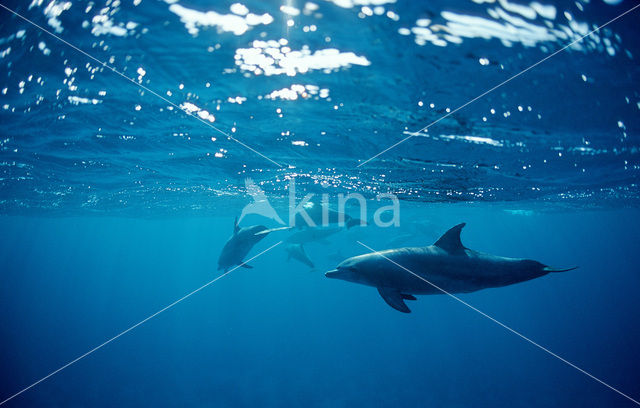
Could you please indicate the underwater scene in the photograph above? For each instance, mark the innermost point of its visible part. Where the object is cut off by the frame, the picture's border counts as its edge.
(324, 203)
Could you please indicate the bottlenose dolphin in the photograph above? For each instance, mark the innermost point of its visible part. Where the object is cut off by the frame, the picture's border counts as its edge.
(296, 251)
(447, 264)
(310, 234)
(315, 213)
(240, 243)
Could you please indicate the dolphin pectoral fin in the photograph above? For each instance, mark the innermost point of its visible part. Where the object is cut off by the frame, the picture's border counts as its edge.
(244, 265)
(236, 227)
(408, 297)
(450, 241)
(394, 298)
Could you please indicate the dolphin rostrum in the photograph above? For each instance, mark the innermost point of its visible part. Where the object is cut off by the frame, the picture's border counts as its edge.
(444, 267)
(240, 243)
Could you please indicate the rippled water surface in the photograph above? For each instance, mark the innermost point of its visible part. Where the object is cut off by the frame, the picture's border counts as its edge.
(312, 90)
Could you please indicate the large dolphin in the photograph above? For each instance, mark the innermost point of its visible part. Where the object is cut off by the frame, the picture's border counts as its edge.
(446, 264)
(240, 243)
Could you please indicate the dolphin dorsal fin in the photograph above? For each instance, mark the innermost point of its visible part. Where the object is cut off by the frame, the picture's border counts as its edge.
(236, 227)
(450, 241)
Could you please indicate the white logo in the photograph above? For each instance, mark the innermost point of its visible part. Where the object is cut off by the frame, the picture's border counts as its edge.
(311, 213)
(260, 204)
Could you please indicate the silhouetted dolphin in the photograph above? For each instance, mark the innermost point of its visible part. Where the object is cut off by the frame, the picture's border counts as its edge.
(447, 264)
(239, 245)
(296, 251)
(315, 213)
(312, 234)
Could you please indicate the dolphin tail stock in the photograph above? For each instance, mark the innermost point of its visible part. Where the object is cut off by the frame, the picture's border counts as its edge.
(551, 269)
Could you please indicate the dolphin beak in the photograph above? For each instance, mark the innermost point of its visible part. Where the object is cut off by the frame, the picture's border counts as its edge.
(334, 274)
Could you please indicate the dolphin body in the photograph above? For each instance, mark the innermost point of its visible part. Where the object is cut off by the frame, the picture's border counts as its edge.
(316, 213)
(296, 251)
(447, 264)
(239, 245)
(311, 234)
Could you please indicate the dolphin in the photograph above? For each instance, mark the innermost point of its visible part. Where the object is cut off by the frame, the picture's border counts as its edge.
(310, 234)
(240, 243)
(315, 213)
(400, 239)
(296, 251)
(444, 267)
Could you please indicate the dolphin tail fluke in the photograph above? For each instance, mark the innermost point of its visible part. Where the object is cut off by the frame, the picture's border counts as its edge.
(551, 269)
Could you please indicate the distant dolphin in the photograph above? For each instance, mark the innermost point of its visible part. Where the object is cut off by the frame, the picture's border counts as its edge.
(296, 251)
(239, 245)
(400, 239)
(315, 212)
(310, 234)
(447, 264)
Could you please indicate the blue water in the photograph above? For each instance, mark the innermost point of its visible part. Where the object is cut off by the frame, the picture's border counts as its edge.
(116, 199)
